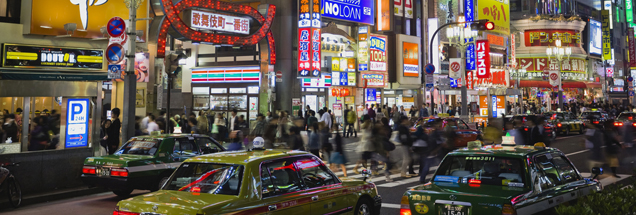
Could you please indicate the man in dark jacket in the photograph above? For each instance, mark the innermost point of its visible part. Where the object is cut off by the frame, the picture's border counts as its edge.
(113, 131)
(534, 133)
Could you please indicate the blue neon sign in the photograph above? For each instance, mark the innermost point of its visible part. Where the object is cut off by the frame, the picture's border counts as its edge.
(469, 14)
(76, 123)
(371, 94)
(361, 11)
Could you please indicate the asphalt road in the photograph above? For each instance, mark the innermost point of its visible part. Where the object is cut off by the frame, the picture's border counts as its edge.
(391, 192)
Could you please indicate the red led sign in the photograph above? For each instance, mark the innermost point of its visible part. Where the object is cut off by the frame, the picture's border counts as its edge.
(172, 19)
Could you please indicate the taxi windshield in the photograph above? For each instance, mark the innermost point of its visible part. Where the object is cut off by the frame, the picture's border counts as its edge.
(556, 116)
(139, 147)
(490, 170)
(626, 116)
(209, 178)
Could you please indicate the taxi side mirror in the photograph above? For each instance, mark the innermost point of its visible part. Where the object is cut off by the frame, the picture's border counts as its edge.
(596, 171)
(365, 174)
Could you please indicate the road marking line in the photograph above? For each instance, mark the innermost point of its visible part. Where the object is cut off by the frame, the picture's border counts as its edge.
(391, 205)
(405, 181)
(579, 152)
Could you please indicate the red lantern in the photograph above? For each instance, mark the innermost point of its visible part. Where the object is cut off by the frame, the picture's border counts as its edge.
(334, 92)
(344, 92)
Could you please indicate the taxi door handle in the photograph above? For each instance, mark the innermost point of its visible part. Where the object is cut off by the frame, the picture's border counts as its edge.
(314, 198)
(272, 207)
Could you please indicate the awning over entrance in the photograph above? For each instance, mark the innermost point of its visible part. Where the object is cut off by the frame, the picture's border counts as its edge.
(566, 84)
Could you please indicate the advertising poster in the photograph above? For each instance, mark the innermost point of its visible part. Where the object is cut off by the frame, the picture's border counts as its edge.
(218, 22)
(28, 56)
(49, 17)
(497, 12)
(373, 80)
(455, 68)
(377, 52)
(483, 105)
(337, 109)
(384, 15)
(76, 123)
(142, 64)
(596, 37)
(410, 53)
(361, 11)
(296, 105)
(371, 95)
(607, 36)
(140, 97)
(513, 58)
(483, 59)
(363, 48)
(400, 6)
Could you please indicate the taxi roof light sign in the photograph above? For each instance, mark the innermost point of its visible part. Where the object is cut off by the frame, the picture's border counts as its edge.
(474, 144)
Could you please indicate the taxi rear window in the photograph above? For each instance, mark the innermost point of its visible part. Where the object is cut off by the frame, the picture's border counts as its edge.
(140, 147)
(626, 116)
(224, 179)
(489, 170)
(585, 115)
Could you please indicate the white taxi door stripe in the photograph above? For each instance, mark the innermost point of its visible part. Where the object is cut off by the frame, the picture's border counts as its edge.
(159, 166)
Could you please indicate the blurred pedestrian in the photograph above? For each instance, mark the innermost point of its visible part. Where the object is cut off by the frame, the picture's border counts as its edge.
(314, 140)
(193, 124)
(613, 146)
(351, 121)
(337, 157)
(152, 125)
(365, 145)
(380, 154)
(294, 140)
(594, 142)
(202, 123)
(113, 131)
(270, 133)
(221, 129)
(406, 142)
(259, 127)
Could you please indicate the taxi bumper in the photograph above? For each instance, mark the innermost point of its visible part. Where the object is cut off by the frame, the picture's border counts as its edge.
(116, 182)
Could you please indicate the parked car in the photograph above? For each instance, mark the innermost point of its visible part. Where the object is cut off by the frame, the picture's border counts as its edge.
(260, 181)
(145, 162)
(500, 179)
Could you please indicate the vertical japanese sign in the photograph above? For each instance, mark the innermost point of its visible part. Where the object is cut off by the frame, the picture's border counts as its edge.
(483, 59)
(309, 39)
(377, 51)
(363, 48)
(469, 14)
(371, 97)
(76, 123)
(218, 22)
(384, 15)
(629, 12)
(408, 8)
(607, 37)
(496, 11)
(632, 47)
(513, 58)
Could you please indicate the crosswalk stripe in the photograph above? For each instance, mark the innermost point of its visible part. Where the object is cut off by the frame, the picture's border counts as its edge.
(403, 182)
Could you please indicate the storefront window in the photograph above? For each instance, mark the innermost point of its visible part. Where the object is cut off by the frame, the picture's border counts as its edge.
(238, 102)
(218, 102)
(237, 91)
(218, 90)
(252, 90)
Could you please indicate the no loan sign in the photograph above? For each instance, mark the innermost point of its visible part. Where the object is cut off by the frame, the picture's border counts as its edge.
(218, 22)
(483, 59)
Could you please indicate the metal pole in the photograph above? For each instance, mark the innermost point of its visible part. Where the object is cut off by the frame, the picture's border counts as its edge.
(167, 131)
(560, 85)
(130, 81)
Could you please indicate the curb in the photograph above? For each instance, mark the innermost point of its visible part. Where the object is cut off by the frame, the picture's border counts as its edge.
(51, 196)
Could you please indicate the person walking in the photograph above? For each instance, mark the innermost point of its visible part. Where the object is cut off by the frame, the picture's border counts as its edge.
(351, 121)
(380, 154)
(259, 128)
(337, 157)
(613, 146)
(429, 153)
(365, 146)
(152, 125)
(413, 112)
(397, 116)
(371, 113)
(594, 141)
(114, 131)
(270, 133)
(314, 140)
(202, 123)
(423, 111)
(10, 129)
(193, 124)
(221, 129)
(406, 142)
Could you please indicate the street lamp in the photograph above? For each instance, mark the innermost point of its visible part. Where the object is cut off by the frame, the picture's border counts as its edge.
(461, 36)
(559, 53)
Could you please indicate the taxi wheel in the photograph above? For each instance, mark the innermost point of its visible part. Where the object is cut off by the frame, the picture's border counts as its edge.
(123, 192)
(364, 207)
(162, 181)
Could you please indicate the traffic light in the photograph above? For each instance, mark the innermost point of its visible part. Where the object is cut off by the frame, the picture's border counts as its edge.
(171, 62)
(482, 25)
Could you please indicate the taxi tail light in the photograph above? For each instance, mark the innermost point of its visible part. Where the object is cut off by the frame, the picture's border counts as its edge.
(618, 124)
(405, 208)
(88, 170)
(117, 212)
(634, 124)
(595, 122)
(559, 125)
(119, 172)
(507, 209)
(474, 181)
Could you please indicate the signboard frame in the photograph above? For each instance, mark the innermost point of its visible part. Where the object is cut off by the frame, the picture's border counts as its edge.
(83, 142)
(5, 52)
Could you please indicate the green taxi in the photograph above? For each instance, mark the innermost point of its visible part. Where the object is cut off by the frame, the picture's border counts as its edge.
(145, 162)
(272, 181)
(566, 122)
(499, 179)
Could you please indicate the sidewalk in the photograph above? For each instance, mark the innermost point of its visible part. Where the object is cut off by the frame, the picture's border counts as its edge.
(50, 196)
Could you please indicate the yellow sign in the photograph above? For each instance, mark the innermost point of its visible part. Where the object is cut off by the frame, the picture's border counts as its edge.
(49, 17)
(421, 208)
(335, 64)
(607, 35)
(408, 99)
(498, 12)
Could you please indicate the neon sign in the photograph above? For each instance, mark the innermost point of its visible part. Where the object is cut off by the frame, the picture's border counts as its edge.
(172, 19)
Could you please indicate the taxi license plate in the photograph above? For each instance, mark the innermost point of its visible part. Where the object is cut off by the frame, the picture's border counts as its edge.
(102, 171)
(453, 209)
